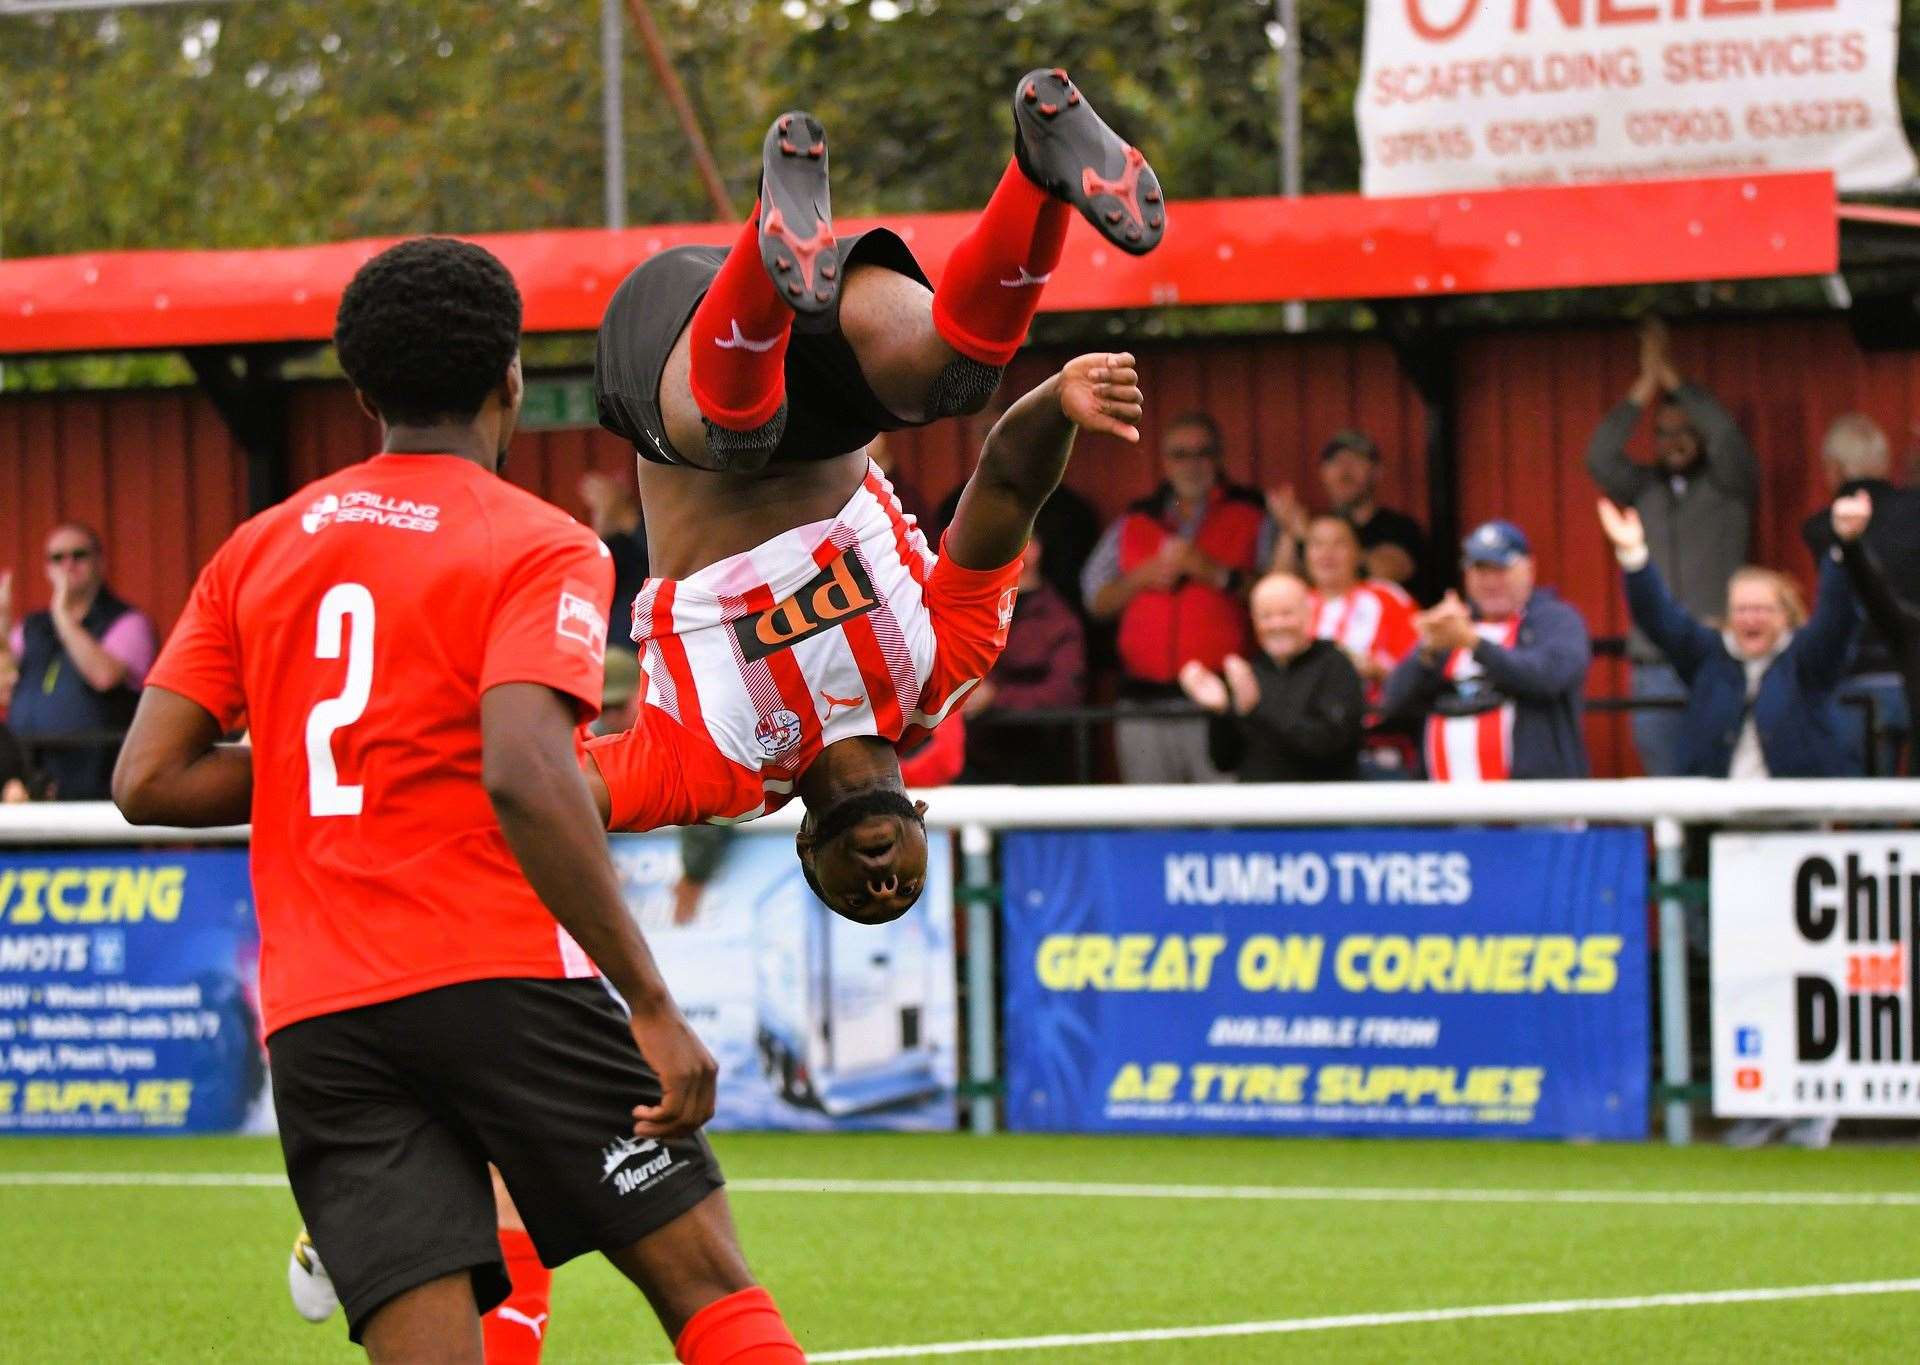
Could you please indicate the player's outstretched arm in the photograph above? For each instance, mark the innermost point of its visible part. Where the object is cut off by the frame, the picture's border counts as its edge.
(1026, 453)
(173, 770)
(548, 816)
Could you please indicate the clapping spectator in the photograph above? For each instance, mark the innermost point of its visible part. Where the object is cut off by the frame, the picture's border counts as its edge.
(1295, 713)
(1393, 546)
(613, 511)
(1496, 681)
(1760, 692)
(1695, 501)
(81, 663)
(1174, 570)
(1043, 666)
(1856, 459)
(1895, 619)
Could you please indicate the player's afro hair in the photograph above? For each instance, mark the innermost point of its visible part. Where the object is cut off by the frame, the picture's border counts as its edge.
(427, 328)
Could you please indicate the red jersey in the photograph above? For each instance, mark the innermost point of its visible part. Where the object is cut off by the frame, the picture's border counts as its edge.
(355, 627)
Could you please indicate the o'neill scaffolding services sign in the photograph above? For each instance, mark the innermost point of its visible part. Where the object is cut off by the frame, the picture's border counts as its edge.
(1468, 94)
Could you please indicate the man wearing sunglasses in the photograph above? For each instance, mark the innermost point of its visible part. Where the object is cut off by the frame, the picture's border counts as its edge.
(81, 664)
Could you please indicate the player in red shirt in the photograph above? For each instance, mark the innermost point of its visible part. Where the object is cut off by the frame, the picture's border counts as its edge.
(411, 642)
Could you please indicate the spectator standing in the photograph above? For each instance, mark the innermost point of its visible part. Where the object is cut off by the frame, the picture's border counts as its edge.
(1895, 619)
(613, 511)
(1761, 693)
(1174, 571)
(1043, 666)
(1856, 459)
(1695, 501)
(81, 664)
(1393, 546)
(1296, 713)
(1496, 685)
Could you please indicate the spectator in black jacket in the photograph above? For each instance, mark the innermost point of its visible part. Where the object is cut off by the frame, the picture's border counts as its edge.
(1857, 460)
(1295, 713)
(613, 511)
(1895, 619)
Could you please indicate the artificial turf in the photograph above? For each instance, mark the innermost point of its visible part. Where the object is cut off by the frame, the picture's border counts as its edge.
(197, 1273)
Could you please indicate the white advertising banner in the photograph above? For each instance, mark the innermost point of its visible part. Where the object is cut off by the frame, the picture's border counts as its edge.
(1815, 951)
(1477, 94)
(818, 1023)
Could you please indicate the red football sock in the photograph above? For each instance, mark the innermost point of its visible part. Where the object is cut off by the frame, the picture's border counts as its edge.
(744, 1328)
(991, 287)
(738, 338)
(515, 1331)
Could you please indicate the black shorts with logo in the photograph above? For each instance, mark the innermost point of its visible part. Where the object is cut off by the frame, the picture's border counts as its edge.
(830, 407)
(390, 1113)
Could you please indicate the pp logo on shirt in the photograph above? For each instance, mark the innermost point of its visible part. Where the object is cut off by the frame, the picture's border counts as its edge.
(581, 621)
(838, 593)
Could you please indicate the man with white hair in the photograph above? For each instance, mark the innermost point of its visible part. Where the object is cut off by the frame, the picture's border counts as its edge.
(1857, 458)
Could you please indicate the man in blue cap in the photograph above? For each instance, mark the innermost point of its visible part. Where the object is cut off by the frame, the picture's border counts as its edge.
(1497, 679)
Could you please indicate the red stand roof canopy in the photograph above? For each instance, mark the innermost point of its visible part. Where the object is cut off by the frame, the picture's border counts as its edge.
(1217, 251)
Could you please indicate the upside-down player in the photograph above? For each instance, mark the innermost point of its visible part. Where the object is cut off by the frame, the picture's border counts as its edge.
(412, 641)
(793, 606)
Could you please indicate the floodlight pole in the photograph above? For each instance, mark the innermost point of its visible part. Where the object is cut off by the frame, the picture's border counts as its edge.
(613, 113)
(1287, 14)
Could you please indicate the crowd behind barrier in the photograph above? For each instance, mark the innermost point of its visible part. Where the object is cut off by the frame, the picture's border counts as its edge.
(1140, 650)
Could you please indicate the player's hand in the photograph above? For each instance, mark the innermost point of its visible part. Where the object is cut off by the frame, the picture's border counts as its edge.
(978, 700)
(1851, 515)
(6, 604)
(1101, 392)
(1623, 528)
(688, 1074)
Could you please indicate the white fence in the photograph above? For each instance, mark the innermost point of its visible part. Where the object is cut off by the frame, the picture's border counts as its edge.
(1663, 806)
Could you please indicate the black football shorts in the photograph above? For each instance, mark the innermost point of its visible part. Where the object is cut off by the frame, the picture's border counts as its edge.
(390, 1113)
(830, 407)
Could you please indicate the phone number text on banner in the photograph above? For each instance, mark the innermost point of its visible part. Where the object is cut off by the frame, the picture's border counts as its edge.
(1399, 981)
(128, 994)
(1473, 94)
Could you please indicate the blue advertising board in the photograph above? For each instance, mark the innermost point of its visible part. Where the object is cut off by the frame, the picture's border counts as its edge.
(128, 994)
(1451, 983)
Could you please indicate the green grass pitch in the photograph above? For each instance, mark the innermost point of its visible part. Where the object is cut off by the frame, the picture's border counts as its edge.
(171, 1273)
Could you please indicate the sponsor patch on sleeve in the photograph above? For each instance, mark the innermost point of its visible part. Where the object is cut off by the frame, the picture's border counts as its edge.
(581, 620)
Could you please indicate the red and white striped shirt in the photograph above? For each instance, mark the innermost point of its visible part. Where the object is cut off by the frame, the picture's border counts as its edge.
(1372, 619)
(1477, 747)
(840, 628)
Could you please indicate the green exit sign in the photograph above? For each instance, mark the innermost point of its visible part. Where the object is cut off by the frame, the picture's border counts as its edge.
(557, 405)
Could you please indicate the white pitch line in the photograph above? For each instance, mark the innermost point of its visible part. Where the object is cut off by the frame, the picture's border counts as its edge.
(1283, 1326)
(1390, 1194)
(1029, 1189)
